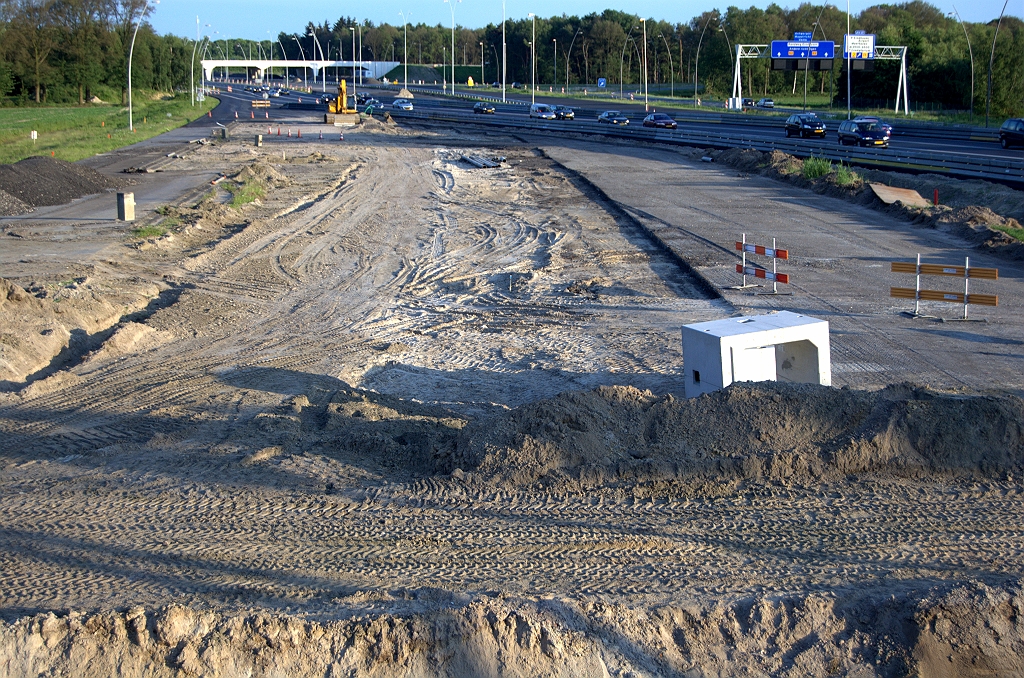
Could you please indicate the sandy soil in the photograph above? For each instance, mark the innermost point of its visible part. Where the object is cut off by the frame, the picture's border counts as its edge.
(401, 417)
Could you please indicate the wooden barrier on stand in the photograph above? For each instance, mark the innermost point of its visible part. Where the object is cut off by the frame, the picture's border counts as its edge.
(773, 275)
(956, 271)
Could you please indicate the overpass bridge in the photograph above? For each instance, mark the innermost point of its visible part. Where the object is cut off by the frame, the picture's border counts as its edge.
(368, 69)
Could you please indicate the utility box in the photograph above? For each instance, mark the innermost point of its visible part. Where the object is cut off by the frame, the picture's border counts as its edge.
(780, 346)
(259, 140)
(221, 133)
(126, 207)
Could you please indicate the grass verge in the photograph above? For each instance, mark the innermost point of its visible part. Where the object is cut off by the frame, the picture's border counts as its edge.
(75, 132)
(243, 194)
(844, 175)
(815, 167)
(144, 232)
(1015, 233)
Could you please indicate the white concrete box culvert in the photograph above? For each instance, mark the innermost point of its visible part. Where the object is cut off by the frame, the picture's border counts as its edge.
(779, 346)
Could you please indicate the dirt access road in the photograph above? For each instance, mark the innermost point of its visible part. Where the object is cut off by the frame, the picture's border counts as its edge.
(313, 423)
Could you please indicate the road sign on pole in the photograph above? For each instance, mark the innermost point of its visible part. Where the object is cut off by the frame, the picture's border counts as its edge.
(858, 47)
(809, 49)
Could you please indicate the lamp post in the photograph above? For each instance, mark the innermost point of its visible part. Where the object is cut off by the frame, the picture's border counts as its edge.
(732, 61)
(971, 52)
(696, 64)
(312, 34)
(646, 107)
(483, 78)
(671, 70)
(991, 60)
(504, 62)
(353, 30)
(579, 31)
(533, 59)
(192, 72)
(451, 6)
(846, 48)
(302, 53)
(405, 27)
(360, 31)
(131, 50)
(622, 59)
(555, 69)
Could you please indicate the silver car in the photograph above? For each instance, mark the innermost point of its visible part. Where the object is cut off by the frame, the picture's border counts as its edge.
(402, 105)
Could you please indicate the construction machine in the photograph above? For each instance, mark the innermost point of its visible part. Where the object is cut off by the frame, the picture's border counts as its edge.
(338, 111)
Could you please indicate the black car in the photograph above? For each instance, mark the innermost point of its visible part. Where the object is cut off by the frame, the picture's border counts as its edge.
(362, 97)
(659, 120)
(747, 102)
(613, 118)
(864, 132)
(564, 113)
(805, 125)
(483, 107)
(1012, 133)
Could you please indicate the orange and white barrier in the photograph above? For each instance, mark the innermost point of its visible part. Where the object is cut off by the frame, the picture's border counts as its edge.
(956, 271)
(773, 275)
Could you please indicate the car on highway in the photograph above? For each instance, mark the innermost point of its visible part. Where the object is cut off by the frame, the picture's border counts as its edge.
(362, 98)
(542, 111)
(285, 92)
(864, 132)
(659, 120)
(373, 103)
(765, 103)
(402, 105)
(275, 92)
(565, 113)
(1011, 133)
(805, 125)
(613, 118)
(748, 102)
(483, 107)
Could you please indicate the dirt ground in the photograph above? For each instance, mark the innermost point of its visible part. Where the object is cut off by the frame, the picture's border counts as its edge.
(403, 417)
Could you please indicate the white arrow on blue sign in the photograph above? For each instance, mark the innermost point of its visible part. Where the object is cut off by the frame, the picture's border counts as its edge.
(793, 49)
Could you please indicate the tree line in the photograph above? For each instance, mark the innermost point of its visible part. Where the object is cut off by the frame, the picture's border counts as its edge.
(58, 50)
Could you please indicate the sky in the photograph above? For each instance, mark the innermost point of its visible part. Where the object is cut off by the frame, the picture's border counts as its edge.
(263, 19)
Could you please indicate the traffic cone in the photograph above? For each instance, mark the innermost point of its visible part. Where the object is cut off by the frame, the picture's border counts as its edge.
(266, 114)
(278, 131)
(300, 100)
(236, 115)
(289, 132)
(321, 134)
(52, 154)
(209, 114)
(252, 115)
(268, 130)
(341, 136)
(300, 133)
(103, 123)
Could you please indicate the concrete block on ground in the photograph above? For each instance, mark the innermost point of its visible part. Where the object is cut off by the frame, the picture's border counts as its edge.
(780, 346)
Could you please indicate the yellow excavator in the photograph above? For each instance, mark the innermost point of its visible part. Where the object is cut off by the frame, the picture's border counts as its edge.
(338, 111)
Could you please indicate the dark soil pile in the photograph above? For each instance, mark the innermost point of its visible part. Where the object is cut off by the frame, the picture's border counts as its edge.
(40, 181)
(785, 432)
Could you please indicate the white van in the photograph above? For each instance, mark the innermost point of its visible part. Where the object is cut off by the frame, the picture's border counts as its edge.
(542, 111)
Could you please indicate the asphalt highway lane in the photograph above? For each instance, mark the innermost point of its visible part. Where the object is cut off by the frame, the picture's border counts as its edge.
(240, 102)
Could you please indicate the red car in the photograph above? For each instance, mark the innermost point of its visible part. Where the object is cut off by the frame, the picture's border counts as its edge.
(659, 120)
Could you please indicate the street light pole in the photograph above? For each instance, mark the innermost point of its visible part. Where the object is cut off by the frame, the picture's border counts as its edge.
(846, 47)
(312, 34)
(483, 77)
(671, 70)
(555, 69)
(451, 6)
(533, 59)
(405, 26)
(991, 61)
(579, 31)
(353, 30)
(504, 62)
(696, 63)
(622, 60)
(971, 52)
(131, 51)
(646, 107)
(302, 53)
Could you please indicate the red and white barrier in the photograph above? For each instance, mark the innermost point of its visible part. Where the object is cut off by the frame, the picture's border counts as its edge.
(773, 275)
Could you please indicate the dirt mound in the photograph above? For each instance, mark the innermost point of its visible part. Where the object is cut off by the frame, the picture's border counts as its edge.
(977, 225)
(966, 630)
(9, 205)
(796, 433)
(405, 94)
(262, 173)
(39, 181)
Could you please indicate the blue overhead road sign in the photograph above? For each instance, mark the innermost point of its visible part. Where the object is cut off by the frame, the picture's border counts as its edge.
(809, 49)
(803, 37)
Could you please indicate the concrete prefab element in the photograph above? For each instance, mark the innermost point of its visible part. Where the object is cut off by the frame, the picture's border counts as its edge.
(259, 140)
(126, 207)
(781, 346)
